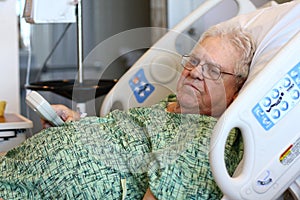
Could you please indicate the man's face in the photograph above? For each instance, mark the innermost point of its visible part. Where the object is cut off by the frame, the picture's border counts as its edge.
(197, 94)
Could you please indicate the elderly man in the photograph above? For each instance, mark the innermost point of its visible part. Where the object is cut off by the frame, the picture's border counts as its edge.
(156, 152)
(213, 74)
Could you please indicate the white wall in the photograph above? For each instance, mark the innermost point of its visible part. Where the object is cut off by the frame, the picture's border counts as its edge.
(9, 52)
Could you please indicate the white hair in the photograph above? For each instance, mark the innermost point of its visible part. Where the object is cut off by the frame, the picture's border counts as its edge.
(242, 41)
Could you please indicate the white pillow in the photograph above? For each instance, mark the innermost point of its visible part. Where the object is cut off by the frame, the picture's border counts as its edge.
(271, 27)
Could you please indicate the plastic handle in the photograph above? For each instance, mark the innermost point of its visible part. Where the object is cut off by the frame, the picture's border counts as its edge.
(231, 186)
(244, 6)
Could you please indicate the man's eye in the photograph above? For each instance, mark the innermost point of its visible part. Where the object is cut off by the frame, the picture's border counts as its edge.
(193, 61)
(212, 70)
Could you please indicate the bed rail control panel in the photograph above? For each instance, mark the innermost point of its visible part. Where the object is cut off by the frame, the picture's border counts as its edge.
(140, 86)
(279, 100)
(268, 123)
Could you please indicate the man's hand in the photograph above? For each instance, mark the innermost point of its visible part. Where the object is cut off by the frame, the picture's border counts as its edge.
(65, 113)
(149, 195)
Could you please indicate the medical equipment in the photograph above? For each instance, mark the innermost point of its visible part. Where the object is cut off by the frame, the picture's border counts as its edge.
(62, 11)
(267, 120)
(159, 68)
(43, 108)
(268, 124)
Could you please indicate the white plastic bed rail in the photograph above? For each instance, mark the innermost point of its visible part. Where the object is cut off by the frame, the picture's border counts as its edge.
(268, 116)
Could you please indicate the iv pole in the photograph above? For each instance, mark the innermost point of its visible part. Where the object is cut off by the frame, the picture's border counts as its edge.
(79, 41)
(80, 107)
(98, 89)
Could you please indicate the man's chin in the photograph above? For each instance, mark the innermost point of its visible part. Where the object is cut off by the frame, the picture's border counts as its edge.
(187, 101)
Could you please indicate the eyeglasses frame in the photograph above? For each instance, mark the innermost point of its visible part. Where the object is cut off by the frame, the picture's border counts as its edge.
(198, 63)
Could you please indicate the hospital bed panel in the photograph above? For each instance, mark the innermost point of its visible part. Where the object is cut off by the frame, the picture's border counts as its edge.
(268, 120)
(272, 140)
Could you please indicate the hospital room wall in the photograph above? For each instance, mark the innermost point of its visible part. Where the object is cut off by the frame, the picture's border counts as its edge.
(9, 67)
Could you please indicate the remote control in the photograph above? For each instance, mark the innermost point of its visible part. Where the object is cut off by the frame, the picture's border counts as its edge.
(40, 105)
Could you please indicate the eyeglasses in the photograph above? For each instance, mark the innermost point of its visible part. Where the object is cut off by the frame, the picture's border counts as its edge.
(209, 70)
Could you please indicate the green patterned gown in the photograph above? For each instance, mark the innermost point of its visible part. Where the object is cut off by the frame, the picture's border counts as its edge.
(118, 157)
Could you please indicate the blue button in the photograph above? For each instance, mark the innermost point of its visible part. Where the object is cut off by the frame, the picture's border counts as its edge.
(295, 94)
(259, 112)
(286, 82)
(276, 114)
(284, 106)
(267, 101)
(275, 93)
(294, 73)
(297, 80)
(266, 121)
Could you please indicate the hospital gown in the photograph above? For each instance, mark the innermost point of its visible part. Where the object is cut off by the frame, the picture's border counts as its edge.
(118, 157)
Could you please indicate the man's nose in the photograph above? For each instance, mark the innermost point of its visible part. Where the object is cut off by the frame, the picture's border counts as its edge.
(197, 72)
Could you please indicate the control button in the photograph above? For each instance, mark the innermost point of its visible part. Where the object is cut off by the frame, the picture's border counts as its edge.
(295, 94)
(267, 101)
(284, 106)
(297, 80)
(294, 73)
(275, 113)
(266, 121)
(148, 89)
(286, 82)
(248, 191)
(264, 181)
(259, 112)
(275, 93)
(279, 100)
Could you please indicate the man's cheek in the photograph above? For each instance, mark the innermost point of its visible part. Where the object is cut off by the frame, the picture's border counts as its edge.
(217, 98)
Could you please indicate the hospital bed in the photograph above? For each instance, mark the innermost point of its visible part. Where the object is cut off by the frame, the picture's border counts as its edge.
(267, 120)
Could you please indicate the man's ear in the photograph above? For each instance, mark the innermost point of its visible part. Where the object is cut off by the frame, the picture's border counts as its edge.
(235, 95)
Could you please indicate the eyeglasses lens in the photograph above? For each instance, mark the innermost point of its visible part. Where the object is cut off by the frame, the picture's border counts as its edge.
(208, 70)
(211, 72)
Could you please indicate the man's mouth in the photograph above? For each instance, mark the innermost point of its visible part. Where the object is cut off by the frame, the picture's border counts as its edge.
(195, 87)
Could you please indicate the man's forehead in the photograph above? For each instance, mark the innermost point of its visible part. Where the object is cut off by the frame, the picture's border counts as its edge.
(200, 52)
(217, 50)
